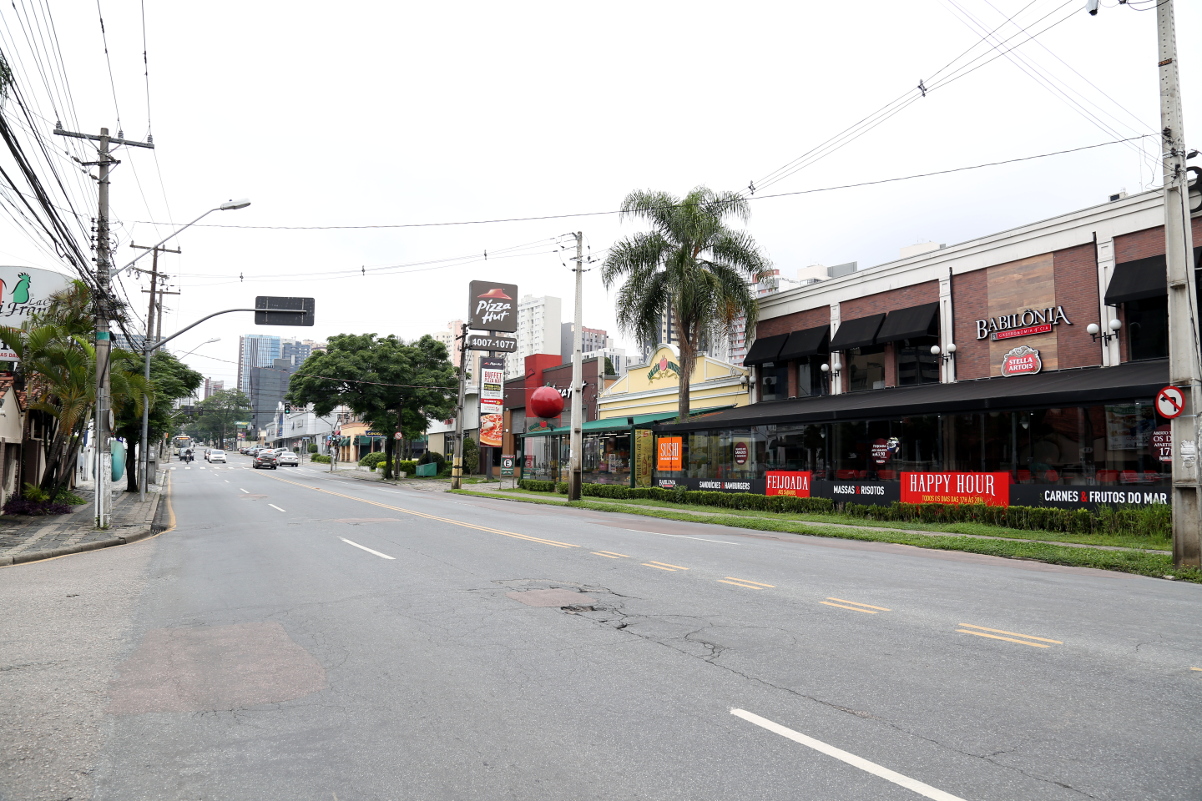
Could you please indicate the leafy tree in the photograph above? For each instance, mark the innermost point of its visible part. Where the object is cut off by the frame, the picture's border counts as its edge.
(219, 414)
(691, 263)
(57, 368)
(609, 367)
(392, 385)
(170, 379)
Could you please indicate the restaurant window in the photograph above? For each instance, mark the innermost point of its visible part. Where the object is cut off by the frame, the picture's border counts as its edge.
(865, 367)
(811, 380)
(774, 381)
(1147, 328)
(915, 362)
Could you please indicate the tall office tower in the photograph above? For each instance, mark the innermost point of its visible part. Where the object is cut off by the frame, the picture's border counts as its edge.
(296, 350)
(212, 386)
(255, 350)
(539, 331)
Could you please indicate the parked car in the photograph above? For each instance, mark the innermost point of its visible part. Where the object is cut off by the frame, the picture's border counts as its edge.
(288, 458)
(265, 459)
(215, 455)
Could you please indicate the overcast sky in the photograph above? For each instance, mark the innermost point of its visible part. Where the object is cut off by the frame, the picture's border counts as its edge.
(334, 118)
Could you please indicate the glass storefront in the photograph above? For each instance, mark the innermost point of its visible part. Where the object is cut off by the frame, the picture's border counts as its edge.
(606, 457)
(1072, 445)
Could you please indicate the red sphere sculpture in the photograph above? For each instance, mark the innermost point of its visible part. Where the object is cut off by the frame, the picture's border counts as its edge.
(546, 402)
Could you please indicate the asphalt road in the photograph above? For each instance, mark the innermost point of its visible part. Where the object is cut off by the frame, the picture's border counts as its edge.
(300, 636)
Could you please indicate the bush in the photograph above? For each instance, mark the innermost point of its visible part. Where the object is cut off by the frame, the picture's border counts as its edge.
(68, 497)
(19, 505)
(534, 485)
(312, 447)
(320, 458)
(371, 460)
(436, 457)
(471, 456)
(33, 492)
(1150, 521)
(407, 466)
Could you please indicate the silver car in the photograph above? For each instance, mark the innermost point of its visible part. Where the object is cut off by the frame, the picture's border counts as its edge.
(287, 458)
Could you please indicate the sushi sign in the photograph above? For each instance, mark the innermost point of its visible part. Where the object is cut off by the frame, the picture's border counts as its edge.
(492, 307)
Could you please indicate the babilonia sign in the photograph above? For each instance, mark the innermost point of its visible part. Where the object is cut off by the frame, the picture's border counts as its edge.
(1021, 324)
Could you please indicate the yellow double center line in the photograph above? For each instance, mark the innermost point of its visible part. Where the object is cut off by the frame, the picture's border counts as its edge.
(746, 583)
(855, 606)
(1025, 641)
(664, 566)
(490, 530)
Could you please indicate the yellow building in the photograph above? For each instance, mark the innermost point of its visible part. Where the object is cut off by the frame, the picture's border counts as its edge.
(655, 386)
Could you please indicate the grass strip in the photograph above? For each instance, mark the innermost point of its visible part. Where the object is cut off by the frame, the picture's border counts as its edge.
(1155, 565)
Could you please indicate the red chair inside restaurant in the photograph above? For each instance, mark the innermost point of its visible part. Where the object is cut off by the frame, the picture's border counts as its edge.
(886, 475)
(1108, 476)
(1051, 477)
(845, 475)
(1151, 476)
(1130, 477)
(861, 474)
(1024, 476)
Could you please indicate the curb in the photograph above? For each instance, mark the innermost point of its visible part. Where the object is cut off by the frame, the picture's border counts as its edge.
(53, 553)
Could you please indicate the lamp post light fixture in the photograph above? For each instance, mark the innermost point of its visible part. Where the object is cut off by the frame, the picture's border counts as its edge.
(945, 355)
(1095, 332)
(833, 368)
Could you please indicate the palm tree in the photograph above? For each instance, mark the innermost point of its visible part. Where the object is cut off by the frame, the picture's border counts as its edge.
(692, 264)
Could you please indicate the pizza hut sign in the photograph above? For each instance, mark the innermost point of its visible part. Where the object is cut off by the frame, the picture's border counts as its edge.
(1023, 360)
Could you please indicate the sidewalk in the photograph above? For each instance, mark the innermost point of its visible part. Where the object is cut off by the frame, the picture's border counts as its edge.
(29, 539)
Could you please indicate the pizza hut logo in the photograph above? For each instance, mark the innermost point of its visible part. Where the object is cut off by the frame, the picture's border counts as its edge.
(1023, 360)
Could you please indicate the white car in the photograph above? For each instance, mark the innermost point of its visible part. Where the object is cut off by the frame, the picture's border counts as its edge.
(215, 456)
(287, 458)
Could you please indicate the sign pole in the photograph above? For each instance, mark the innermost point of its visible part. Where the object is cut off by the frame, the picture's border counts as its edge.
(575, 475)
(457, 461)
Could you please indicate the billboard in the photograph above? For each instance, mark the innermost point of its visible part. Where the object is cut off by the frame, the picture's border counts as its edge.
(492, 401)
(23, 291)
(492, 307)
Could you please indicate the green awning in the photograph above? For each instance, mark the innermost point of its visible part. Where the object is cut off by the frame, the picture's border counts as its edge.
(624, 423)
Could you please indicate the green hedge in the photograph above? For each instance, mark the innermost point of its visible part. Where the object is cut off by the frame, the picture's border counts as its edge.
(1153, 521)
(372, 459)
(723, 500)
(320, 458)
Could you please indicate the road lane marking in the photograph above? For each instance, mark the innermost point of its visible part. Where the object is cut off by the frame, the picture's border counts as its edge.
(739, 583)
(665, 565)
(926, 790)
(614, 553)
(242, 490)
(749, 581)
(1025, 641)
(657, 567)
(273, 506)
(852, 608)
(1194, 668)
(369, 550)
(226, 480)
(858, 604)
(503, 533)
(606, 555)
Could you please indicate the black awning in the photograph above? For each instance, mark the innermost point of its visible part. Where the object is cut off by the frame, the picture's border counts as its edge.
(1143, 278)
(809, 342)
(1136, 280)
(911, 323)
(857, 333)
(765, 349)
(1087, 386)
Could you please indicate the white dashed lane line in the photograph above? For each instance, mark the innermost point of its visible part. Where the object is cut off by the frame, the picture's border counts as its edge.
(365, 548)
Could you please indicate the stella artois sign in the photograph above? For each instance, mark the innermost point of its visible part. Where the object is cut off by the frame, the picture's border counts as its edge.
(1023, 360)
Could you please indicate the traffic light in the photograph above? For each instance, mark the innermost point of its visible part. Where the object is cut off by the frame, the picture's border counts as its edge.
(287, 408)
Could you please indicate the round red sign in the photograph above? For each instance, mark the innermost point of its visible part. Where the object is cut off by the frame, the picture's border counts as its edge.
(740, 453)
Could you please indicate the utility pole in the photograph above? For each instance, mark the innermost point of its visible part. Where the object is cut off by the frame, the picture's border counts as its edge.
(577, 443)
(147, 348)
(1185, 369)
(103, 310)
(457, 460)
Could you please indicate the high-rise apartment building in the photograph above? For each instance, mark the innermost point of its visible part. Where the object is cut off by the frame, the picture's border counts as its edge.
(591, 339)
(539, 331)
(448, 338)
(212, 386)
(255, 350)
